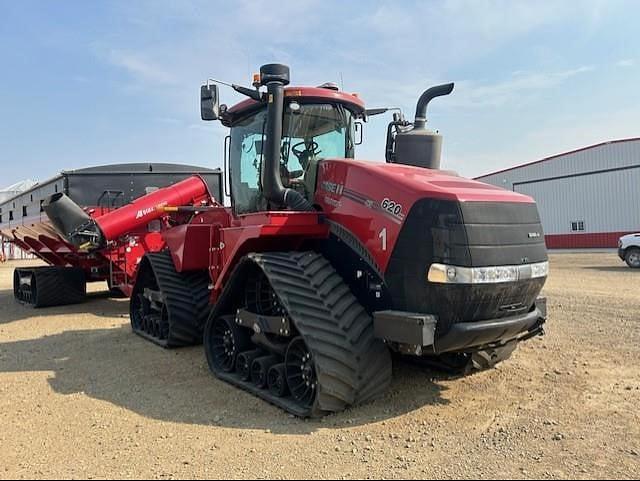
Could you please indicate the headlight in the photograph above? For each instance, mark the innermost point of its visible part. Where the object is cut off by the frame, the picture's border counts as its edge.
(541, 269)
(445, 274)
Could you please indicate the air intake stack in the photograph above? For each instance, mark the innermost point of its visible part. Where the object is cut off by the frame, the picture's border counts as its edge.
(420, 146)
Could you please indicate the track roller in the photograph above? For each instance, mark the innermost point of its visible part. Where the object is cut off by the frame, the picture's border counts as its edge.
(277, 380)
(244, 362)
(260, 368)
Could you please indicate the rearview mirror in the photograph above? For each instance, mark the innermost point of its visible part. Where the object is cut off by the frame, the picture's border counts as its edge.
(209, 102)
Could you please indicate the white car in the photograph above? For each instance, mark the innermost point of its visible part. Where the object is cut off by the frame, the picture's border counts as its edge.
(629, 249)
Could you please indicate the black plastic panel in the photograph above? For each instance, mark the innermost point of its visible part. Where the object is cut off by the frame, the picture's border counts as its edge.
(473, 234)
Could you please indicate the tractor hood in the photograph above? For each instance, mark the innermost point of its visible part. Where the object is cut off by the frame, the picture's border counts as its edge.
(413, 182)
(469, 222)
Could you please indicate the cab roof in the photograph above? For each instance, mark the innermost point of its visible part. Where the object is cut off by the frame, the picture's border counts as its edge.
(306, 94)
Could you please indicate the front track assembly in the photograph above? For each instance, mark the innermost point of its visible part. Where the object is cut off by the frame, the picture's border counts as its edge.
(310, 350)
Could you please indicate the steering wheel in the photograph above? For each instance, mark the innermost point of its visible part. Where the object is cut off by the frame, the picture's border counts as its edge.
(308, 150)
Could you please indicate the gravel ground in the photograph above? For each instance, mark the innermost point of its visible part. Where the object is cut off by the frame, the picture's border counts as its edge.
(81, 397)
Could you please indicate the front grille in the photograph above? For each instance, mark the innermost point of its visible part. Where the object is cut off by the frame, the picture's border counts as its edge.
(468, 234)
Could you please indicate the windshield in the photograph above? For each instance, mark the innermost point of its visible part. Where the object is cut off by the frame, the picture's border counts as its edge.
(311, 132)
(315, 132)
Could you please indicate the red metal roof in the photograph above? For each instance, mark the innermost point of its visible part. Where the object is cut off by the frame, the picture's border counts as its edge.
(558, 155)
(307, 92)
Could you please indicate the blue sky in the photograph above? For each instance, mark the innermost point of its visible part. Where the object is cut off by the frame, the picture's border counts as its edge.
(88, 83)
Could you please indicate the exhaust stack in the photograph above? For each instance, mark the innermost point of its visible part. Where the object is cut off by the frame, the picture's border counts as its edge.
(420, 146)
(275, 77)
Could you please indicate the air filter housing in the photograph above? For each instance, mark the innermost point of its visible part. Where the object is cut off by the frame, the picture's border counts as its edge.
(420, 148)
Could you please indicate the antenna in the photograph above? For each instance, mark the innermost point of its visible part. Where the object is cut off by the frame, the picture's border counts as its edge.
(341, 82)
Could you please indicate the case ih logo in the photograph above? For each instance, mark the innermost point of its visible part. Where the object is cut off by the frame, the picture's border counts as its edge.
(332, 187)
(143, 212)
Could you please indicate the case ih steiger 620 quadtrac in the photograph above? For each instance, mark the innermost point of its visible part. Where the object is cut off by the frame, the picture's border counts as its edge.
(324, 266)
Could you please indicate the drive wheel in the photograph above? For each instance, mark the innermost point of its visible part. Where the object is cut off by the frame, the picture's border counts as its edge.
(632, 257)
(226, 341)
(301, 373)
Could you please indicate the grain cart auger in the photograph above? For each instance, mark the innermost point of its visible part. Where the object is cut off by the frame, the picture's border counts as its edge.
(324, 265)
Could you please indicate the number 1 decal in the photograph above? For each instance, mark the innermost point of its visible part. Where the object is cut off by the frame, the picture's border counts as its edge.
(383, 236)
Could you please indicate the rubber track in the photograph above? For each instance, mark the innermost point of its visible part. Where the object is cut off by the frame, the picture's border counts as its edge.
(56, 286)
(351, 365)
(186, 297)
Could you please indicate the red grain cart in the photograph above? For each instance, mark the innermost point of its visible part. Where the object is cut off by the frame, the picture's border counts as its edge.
(98, 190)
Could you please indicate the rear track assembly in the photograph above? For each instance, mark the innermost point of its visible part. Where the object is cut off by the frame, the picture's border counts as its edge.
(169, 308)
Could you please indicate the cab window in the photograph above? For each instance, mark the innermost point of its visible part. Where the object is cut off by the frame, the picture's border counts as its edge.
(310, 133)
(247, 139)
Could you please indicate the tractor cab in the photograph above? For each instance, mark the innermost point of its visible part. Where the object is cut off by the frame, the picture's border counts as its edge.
(311, 131)
(316, 123)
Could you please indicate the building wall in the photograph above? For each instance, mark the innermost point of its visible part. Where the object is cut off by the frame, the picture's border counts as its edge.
(11, 252)
(597, 186)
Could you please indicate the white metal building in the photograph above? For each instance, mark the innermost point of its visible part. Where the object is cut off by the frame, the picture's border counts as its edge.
(15, 189)
(7, 249)
(587, 197)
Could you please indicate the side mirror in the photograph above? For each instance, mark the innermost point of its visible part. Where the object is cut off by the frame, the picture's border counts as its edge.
(209, 102)
(359, 127)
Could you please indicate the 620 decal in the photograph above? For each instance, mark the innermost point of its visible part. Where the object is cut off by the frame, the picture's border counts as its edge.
(391, 206)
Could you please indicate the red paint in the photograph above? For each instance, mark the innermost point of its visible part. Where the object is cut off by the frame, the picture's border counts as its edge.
(310, 94)
(144, 210)
(584, 241)
(263, 232)
(189, 245)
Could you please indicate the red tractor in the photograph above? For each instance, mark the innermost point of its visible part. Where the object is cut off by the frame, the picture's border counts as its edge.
(324, 265)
